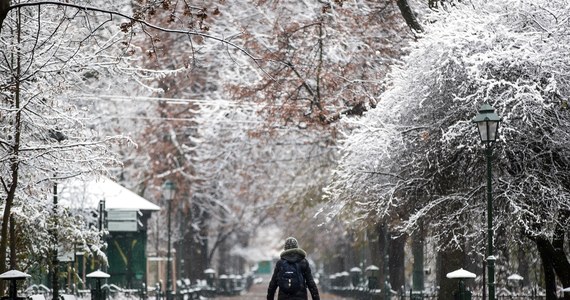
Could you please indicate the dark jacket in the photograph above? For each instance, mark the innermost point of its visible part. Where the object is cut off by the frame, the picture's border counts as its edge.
(294, 255)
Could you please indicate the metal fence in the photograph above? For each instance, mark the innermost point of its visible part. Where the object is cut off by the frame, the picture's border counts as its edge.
(360, 292)
(185, 290)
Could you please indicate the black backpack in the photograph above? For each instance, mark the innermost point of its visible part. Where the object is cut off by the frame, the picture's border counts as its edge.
(290, 278)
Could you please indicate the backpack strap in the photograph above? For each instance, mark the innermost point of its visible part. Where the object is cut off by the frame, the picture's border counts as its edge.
(300, 275)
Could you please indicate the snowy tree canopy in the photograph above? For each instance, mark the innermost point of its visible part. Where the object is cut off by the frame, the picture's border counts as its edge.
(322, 61)
(53, 54)
(243, 163)
(417, 155)
(49, 56)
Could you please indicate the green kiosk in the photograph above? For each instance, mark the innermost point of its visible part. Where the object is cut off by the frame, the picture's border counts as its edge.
(125, 217)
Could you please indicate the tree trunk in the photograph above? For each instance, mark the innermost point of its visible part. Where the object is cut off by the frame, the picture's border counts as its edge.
(409, 15)
(13, 243)
(524, 263)
(14, 168)
(384, 245)
(4, 8)
(375, 250)
(418, 254)
(195, 244)
(554, 260)
(545, 250)
(560, 261)
(397, 262)
(374, 245)
(223, 258)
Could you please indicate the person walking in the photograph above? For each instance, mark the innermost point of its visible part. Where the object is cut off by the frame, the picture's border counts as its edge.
(292, 275)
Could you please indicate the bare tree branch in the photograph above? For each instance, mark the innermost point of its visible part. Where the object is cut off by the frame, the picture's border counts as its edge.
(4, 11)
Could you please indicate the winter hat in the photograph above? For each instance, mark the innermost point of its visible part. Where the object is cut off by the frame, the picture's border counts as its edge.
(291, 243)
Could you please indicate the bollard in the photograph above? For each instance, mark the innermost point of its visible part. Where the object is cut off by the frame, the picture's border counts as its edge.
(98, 275)
(416, 295)
(210, 277)
(372, 272)
(355, 276)
(462, 293)
(158, 290)
(144, 291)
(13, 276)
(223, 282)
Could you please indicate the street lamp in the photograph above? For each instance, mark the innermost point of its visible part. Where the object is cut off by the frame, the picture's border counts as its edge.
(488, 124)
(168, 191)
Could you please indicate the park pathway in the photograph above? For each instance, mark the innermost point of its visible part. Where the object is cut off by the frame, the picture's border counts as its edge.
(259, 292)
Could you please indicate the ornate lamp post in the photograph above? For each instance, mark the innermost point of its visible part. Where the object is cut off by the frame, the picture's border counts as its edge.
(168, 191)
(488, 124)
